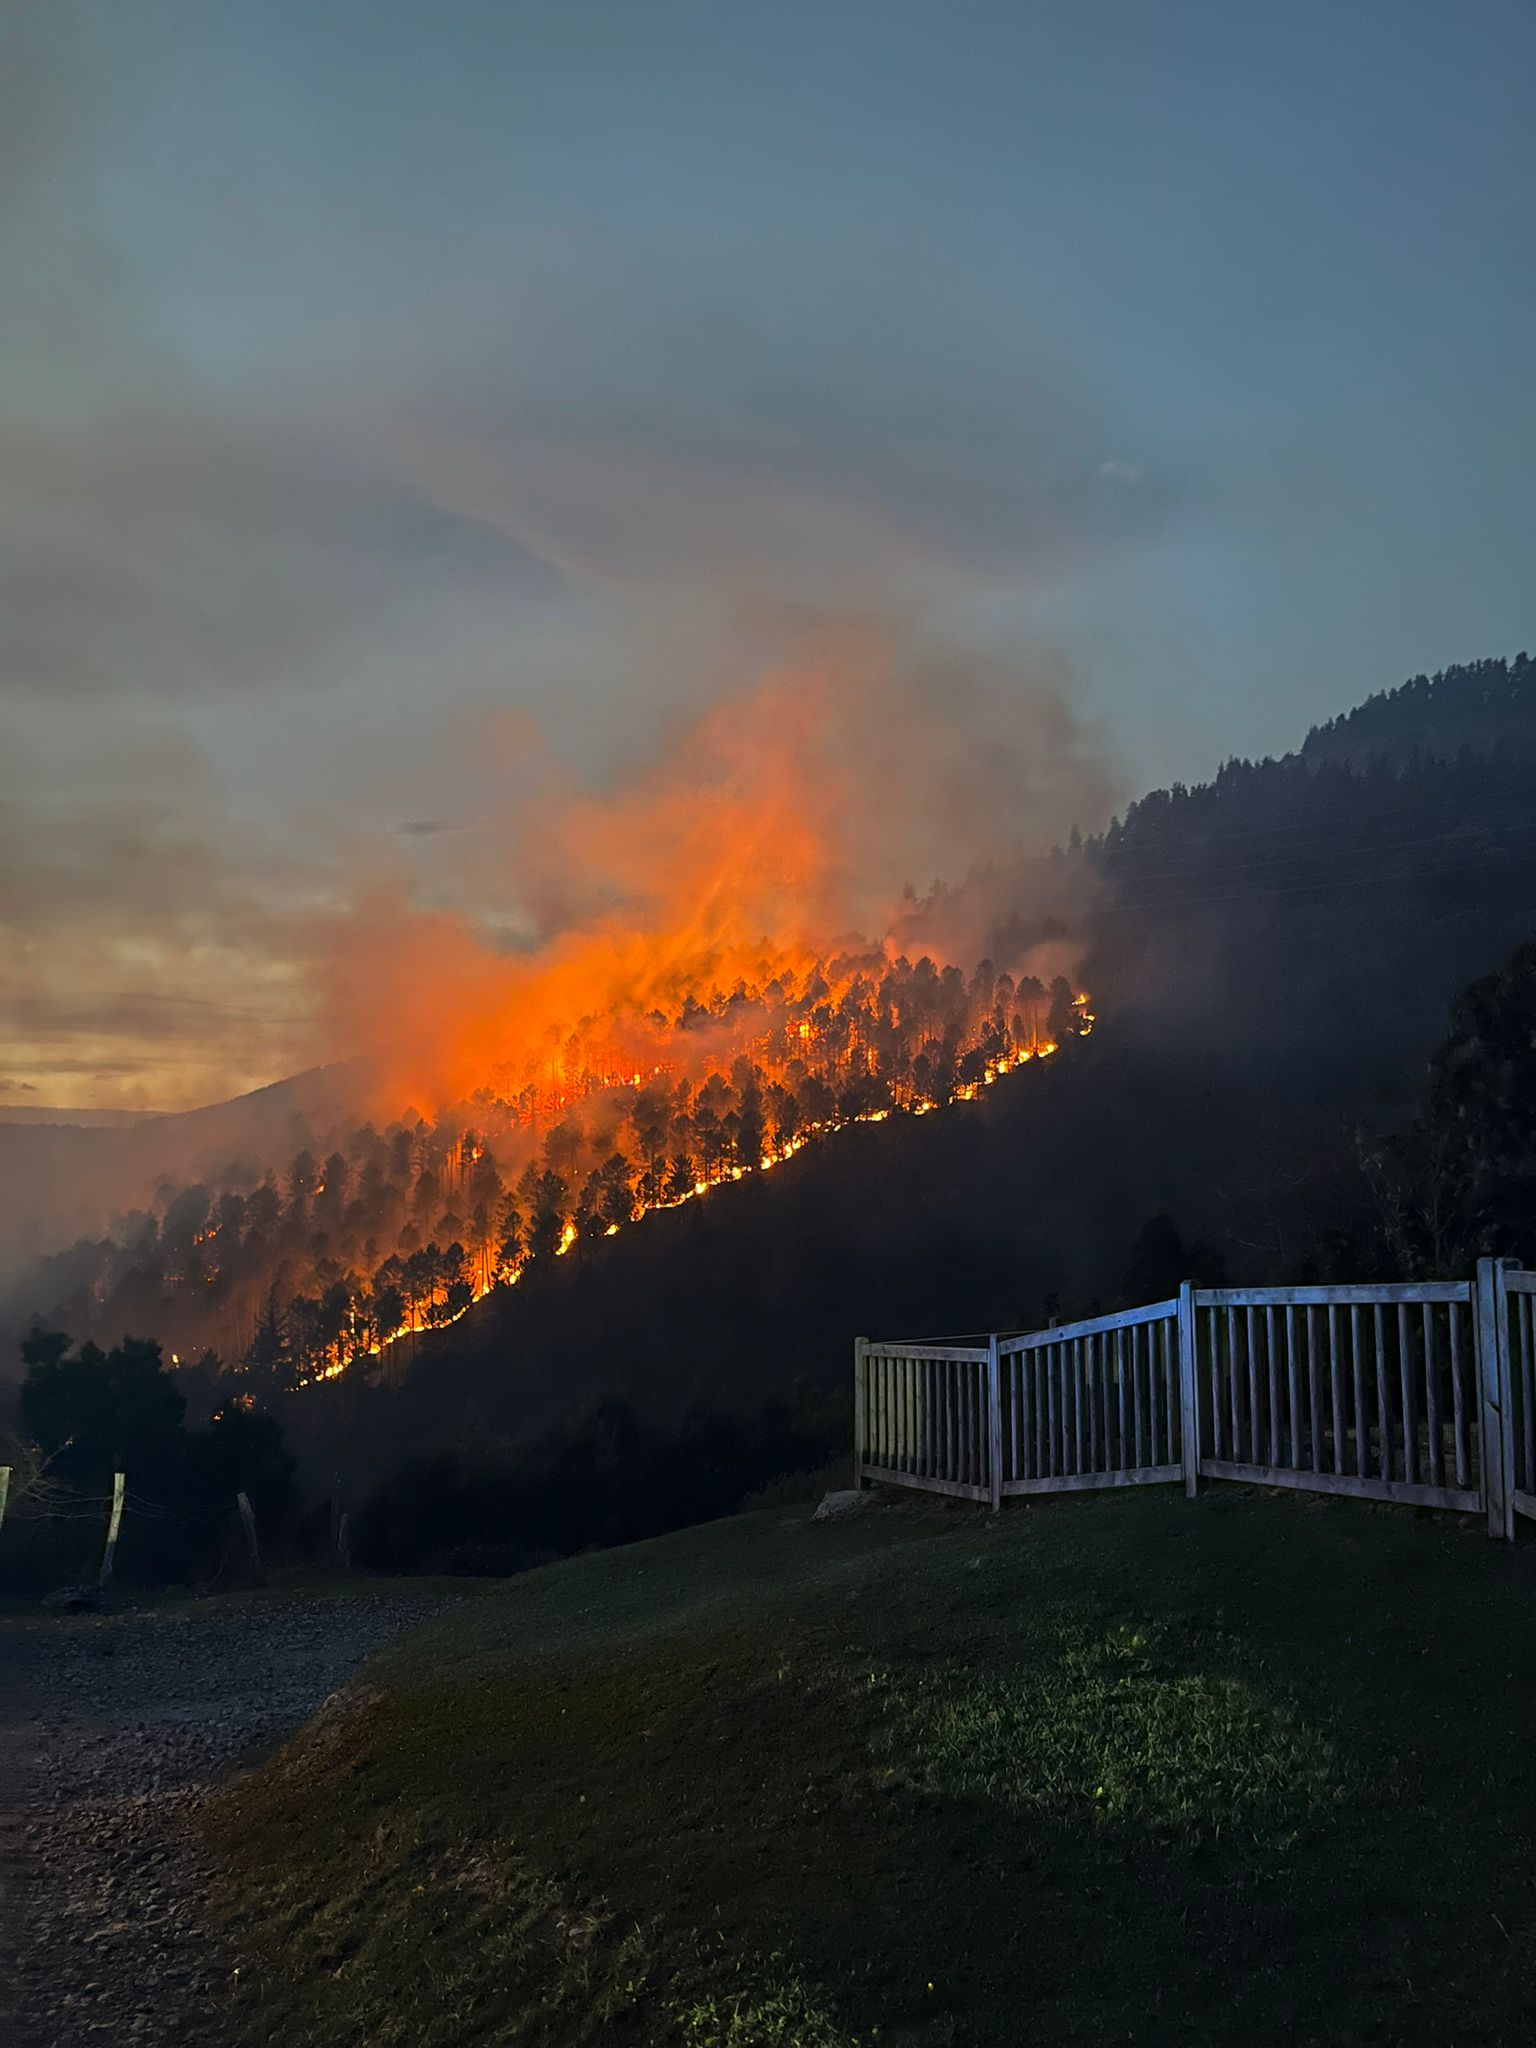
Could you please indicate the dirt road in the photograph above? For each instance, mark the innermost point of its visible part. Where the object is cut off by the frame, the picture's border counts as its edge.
(112, 1730)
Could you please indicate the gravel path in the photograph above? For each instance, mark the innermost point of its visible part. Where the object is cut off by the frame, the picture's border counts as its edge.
(112, 1729)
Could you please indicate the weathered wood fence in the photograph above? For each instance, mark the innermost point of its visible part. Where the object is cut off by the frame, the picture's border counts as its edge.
(1422, 1393)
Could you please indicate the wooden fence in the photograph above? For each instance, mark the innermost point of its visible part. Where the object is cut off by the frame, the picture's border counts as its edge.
(1422, 1393)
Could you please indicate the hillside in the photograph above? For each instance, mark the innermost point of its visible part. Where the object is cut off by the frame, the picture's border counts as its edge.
(63, 1179)
(1326, 906)
(1272, 956)
(318, 1268)
(983, 1216)
(1240, 1768)
(1479, 707)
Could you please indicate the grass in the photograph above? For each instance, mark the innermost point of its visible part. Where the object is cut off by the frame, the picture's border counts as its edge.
(1110, 1769)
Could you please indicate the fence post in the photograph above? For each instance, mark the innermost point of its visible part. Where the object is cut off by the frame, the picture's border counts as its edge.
(860, 1347)
(995, 1421)
(114, 1523)
(248, 1524)
(1189, 1390)
(1492, 1322)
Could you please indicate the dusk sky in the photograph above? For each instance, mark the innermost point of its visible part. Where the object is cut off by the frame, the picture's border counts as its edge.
(375, 378)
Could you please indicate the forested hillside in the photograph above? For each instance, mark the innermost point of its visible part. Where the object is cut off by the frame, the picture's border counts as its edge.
(333, 1261)
(1324, 908)
(1273, 956)
(1480, 707)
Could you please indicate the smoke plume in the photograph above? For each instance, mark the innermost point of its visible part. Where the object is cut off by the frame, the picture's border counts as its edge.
(865, 797)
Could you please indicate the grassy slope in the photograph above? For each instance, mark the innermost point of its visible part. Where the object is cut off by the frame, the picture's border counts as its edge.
(1112, 1769)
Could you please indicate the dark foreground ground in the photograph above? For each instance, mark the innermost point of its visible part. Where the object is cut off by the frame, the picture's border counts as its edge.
(112, 1731)
(1123, 1769)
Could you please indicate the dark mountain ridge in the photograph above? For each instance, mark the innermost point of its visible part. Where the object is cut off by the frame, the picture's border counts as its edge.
(1480, 707)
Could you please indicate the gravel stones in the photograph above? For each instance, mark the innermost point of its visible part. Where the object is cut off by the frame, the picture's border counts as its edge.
(113, 1728)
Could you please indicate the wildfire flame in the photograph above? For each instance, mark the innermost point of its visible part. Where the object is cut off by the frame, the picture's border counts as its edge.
(740, 879)
(509, 1273)
(719, 964)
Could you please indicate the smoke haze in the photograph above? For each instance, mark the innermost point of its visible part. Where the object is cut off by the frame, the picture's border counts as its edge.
(810, 812)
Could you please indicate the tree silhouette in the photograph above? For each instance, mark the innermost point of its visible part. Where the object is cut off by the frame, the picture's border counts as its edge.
(546, 1222)
(95, 1412)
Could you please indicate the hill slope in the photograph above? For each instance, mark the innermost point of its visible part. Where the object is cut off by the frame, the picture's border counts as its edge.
(1111, 1769)
(969, 1219)
(60, 1179)
(1273, 956)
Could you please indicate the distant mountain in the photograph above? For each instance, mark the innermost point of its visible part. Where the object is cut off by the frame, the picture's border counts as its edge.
(79, 1119)
(1482, 707)
(60, 1180)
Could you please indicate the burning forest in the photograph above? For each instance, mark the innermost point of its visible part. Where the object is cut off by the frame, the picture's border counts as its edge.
(336, 1261)
(660, 990)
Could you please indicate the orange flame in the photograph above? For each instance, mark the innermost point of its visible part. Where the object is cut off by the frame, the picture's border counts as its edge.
(702, 903)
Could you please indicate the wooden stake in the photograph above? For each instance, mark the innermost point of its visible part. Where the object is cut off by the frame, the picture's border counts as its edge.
(114, 1524)
(248, 1523)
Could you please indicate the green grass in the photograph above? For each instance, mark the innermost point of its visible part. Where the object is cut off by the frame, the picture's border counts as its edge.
(1111, 1769)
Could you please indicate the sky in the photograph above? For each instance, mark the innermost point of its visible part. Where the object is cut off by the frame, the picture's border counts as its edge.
(382, 386)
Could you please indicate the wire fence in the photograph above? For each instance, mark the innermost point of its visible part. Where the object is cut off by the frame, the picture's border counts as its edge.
(53, 1534)
(1422, 1393)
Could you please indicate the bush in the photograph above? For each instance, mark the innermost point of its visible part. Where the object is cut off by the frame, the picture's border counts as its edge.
(612, 1480)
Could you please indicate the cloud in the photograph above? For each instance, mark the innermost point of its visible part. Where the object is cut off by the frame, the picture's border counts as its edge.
(292, 516)
(736, 442)
(188, 553)
(147, 936)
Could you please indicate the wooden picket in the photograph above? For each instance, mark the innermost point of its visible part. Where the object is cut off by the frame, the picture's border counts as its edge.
(1519, 1308)
(1422, 1393)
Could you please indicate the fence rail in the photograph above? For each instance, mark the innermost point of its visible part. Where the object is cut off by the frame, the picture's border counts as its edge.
(1422, 1393)
(1092, 1404)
